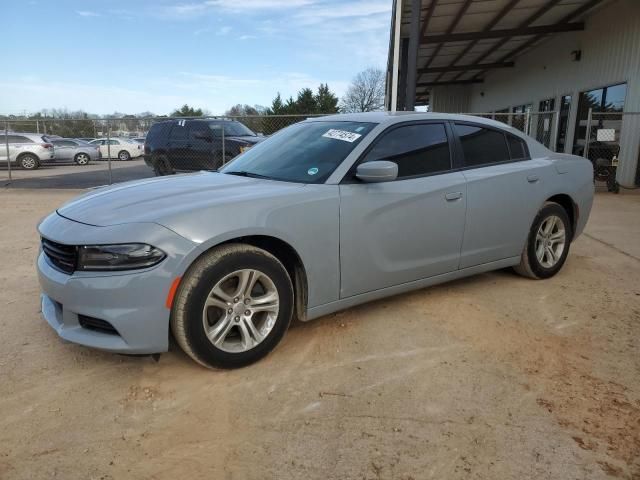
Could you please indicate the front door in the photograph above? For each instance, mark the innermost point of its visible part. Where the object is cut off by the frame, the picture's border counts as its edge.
(408, 229)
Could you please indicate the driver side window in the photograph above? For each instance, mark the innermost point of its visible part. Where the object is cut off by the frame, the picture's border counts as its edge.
(420, 149)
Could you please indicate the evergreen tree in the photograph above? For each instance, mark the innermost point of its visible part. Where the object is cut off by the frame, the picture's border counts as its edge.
(326, 101)
(306, 102)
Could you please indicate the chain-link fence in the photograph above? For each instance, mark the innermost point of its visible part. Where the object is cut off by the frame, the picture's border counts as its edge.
(610, 141)
(88, 152)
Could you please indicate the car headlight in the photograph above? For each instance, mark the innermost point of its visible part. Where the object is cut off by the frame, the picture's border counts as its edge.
(128, 256)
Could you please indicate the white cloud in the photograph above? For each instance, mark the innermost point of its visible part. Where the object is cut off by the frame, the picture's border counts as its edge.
(247, 37)
(87, 13)
(320, 13)
(243, 5)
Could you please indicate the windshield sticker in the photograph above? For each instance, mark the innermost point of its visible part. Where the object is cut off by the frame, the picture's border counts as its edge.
(312, 171)
(342, 135)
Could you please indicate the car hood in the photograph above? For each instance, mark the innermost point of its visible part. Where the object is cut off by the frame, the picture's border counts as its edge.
(162, 200)
(246, 138)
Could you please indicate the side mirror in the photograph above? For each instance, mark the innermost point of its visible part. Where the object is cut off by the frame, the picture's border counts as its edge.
(377, 171)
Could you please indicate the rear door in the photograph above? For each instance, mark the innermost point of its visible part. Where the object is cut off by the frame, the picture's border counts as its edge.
(201, 144)
(178, 146)
(65, 149)
(503, 192)
(408, 229)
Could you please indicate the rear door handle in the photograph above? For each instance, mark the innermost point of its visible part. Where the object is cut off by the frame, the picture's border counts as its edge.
(451, 196)
(533, 178)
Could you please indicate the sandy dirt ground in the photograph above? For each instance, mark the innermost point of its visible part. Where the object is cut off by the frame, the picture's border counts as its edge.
(491, 377)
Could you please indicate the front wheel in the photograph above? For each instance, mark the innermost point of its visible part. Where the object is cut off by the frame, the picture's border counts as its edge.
(232, 307)
(124, 155)
(548, 243)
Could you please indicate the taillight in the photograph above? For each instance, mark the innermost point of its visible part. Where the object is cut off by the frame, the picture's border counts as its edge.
(47, 145)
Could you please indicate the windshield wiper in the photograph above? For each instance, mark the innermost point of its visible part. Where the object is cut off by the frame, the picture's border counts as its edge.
(244, 173)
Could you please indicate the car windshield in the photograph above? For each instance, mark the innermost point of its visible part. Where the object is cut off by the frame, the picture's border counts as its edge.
(235, 129)
(306, 152)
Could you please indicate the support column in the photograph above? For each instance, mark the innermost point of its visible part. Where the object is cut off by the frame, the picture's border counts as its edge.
(402, 82)
(396, 55)
(412, 55)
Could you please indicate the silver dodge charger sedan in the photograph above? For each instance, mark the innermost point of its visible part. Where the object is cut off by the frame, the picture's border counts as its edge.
(326, 214)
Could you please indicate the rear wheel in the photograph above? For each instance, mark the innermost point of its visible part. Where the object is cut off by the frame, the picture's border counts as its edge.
(124, 155)
(548, 243)
(161, 166)
(232, 307)
(29, 162)
(82, 159)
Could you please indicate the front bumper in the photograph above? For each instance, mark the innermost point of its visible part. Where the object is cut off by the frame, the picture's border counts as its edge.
(133, 303)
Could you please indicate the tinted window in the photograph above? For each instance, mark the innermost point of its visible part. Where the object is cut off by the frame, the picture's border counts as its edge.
(19, 139)
(114, 142)
(196, 128)
(178, 132)
(416, 149)
(517, 147)
(237, 129)
(64, 143)
(482, 146)
(307, 152)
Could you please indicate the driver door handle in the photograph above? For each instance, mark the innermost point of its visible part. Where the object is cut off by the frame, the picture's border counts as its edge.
(533, 178)
(451, 196)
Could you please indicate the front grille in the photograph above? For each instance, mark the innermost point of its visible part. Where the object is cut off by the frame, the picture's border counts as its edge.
(62, 257)
(97, 324)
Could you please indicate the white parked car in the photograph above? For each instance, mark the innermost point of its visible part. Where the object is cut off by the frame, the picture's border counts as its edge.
(120, 148)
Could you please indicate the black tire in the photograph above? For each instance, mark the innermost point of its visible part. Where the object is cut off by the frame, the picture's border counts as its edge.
(124, 156)
(29, 161)
(187, 323)
(82, 158)
(161, 166)
(530, 266)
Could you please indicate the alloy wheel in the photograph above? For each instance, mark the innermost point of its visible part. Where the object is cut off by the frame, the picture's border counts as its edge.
(28, 162)
(240, 310)
(550, 241)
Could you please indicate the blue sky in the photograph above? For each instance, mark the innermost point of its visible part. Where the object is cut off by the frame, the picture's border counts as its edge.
(138, 55)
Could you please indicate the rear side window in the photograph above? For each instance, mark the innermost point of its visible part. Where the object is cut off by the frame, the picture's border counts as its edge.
(198, 128)
(64, 143)
(178, 132)
(517, 148)
(482, 146)
(417, 149)
(19, 139)
(158, 132)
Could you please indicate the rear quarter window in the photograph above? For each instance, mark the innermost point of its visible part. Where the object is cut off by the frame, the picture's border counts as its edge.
(517, 148)
(158, 132)
(482, 146)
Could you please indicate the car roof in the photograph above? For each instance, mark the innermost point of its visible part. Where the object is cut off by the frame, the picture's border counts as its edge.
(399, 117)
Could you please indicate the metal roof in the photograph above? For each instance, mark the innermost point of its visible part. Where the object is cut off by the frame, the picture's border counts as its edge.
(461, 40)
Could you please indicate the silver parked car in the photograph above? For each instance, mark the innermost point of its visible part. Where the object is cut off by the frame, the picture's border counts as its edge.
(325, 214)
(75, 150)
(28, 150)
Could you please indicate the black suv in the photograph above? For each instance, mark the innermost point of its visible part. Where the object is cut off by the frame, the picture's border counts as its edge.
(195, 144)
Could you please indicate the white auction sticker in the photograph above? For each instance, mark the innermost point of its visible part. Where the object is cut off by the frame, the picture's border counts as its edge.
(342, 135)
